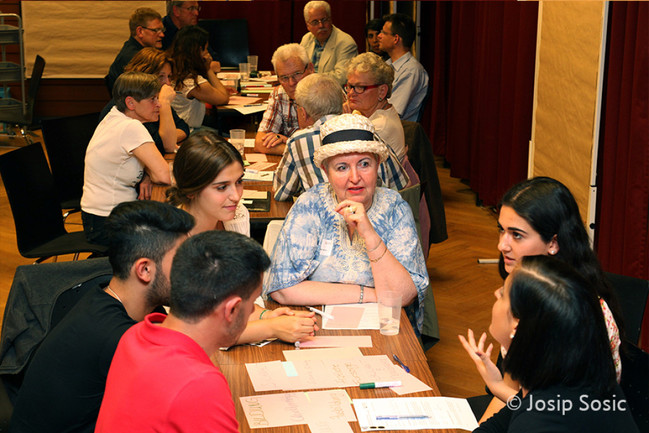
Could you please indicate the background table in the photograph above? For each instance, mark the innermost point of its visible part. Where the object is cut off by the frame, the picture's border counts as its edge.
(405, 345)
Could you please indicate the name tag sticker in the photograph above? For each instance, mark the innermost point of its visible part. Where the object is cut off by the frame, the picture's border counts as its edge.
(326, 247)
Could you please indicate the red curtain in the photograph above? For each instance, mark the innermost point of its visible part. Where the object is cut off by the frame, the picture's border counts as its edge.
(623, 176)
(274, 23)
(480, 57)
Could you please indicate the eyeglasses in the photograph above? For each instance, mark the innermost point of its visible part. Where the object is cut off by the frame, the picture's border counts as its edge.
(314, 23)
(192, 8)
(160, 30)
(295, 75)
(359, 89)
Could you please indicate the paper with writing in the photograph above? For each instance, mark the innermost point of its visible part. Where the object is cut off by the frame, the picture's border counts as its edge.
(322, 373)
(295, 408)
(442, 412)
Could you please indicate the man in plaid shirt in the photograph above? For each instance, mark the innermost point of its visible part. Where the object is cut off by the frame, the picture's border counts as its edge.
(291, 64)
(318, 99)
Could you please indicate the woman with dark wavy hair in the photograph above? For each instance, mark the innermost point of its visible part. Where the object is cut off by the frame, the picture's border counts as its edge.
(195, 81)
(550, 321)
(540, 216)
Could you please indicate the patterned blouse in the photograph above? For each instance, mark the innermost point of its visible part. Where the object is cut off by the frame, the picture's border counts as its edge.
(314, 244)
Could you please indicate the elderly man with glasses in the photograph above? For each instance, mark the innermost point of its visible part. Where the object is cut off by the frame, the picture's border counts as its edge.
(179, 15)
(146, 31)
(291, 64)
(328, 47)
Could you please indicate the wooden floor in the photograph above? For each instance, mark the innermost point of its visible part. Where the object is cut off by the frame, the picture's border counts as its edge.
(463, 289)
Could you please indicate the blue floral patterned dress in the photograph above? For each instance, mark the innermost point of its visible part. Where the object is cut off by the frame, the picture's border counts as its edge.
(314, 244)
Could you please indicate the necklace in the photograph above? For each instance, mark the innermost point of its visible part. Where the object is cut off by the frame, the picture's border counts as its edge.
(116, 295)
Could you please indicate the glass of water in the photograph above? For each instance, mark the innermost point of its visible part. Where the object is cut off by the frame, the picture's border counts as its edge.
(389, 312)
(238, 139)
(253, 60)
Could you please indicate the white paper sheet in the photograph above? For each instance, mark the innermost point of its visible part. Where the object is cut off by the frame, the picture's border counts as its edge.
(261, 176)
(338, 341)
(369, 318)
(414, 413)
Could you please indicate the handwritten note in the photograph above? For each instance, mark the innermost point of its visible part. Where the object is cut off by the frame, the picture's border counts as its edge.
(266, 376)
(321, 373)
(295, 408)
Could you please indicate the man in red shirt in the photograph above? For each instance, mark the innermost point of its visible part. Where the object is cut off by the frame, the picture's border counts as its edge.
(161, 378)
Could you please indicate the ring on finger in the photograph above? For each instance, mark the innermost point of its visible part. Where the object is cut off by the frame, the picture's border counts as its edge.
(351, 209)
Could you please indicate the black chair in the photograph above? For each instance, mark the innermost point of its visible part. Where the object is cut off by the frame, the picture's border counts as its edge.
(420, 155)
(632, 295)
(40, 296)
(21, 113)
(40, 230)
(66, 140)
(635, 383)
(229, 39)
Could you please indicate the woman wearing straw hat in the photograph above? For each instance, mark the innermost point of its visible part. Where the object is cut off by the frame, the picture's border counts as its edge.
(345, 240)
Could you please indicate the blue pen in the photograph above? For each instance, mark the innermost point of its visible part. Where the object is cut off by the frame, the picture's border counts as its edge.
(404, 366)
(388, 417)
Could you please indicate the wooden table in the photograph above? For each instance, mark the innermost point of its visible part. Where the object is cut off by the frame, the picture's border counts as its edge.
(278, 209)
(404, 345)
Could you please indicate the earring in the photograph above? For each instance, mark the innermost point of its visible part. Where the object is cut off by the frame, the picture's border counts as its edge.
(511, 336)
(552, 252)
(380, 99)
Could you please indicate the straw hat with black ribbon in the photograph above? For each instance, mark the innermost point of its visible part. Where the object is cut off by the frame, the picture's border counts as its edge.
(348, 133)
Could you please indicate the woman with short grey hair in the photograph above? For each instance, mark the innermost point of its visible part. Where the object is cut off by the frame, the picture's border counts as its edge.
(369, 85)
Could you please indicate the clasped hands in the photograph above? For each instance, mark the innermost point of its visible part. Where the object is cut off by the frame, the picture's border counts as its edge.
(291, 325)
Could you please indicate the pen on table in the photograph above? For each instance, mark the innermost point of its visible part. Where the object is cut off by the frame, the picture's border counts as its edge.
(372, 385)
(322, 313)
(252, 105)
(404, 366)
(386, 417)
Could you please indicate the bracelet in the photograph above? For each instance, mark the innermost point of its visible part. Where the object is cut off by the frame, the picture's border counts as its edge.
(360, 300)
(381, 256)
(261, 314)
(375, 248)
